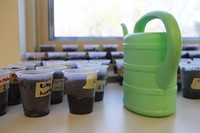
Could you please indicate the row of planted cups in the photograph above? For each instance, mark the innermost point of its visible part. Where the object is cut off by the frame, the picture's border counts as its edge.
(38, 89)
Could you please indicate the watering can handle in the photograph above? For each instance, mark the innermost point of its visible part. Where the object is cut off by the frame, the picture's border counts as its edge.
(168, 68)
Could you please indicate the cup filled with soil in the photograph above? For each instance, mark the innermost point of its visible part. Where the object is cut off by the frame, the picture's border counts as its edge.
(91, 47)
(58, 82)
(190, 79)
(81, 85)
(47, 48)
(4, 86)
(182, 62)
(101, 79)
(97, 55)
(120, 70)
(76, 55)
(14, 96)
(57, 55)
(35, 88)
(35, 55)
(70, 47)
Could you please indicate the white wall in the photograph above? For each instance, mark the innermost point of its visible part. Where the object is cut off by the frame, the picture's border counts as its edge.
(9, 32)
(12, 28)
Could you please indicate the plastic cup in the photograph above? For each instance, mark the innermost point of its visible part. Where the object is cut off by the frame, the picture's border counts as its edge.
(58, 82)
(4, 86)
(101, 79)
(120, 70)
(14, 97)
(35, 88)
(81, 85)
(190, 79)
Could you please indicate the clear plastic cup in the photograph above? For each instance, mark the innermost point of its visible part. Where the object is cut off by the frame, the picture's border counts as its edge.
(190, 79)
(81, 85)
(35, 88)
(35, 55)
(4, 86)
(14, 96)
(57, 55)
(120, 70)
(101, 79)
(58, 82)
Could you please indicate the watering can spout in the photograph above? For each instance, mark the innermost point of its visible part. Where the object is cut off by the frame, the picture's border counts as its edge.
(124, 28)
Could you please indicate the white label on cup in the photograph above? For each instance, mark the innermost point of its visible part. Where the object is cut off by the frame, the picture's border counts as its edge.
(120, 72)
(100, 84)
(195, 83)
(38, 56)
(13, 79)
(43, 88)
(58, 84)
(178, 78)
(90, 82)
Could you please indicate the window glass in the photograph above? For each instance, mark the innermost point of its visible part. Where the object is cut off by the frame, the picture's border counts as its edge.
(102, 18)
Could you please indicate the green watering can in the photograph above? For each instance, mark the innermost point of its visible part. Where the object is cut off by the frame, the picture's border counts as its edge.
(151, 61)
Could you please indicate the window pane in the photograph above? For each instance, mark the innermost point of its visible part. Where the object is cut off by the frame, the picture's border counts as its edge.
(82, 18)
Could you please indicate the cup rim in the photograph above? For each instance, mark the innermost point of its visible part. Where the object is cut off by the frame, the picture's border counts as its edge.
(14, 68)
(23, 64)
(4, 73)
(35, 72)
(54, 67)
(80, 71)
(93, 66)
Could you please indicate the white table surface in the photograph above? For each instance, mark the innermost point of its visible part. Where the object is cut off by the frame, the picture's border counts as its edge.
(108, 116)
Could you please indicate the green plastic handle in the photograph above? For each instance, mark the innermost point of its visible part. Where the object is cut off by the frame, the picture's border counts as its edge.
(168, 68)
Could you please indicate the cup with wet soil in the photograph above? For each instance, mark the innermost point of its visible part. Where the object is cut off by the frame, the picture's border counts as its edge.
(120, 70)
(182, 61)
(57, 55)
(47, 48)
(190, 79)
(70, 47)
(14, 96)
(101, 79)
(58, 82)
(35, 88)
(81, 85)
(4, 86)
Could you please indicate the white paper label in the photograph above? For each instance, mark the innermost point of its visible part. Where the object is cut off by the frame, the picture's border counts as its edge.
(100, 84)
(120, 72)
(4, 84)
(195, 83)
(43, 88)
(90, 82)
(58, 84)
